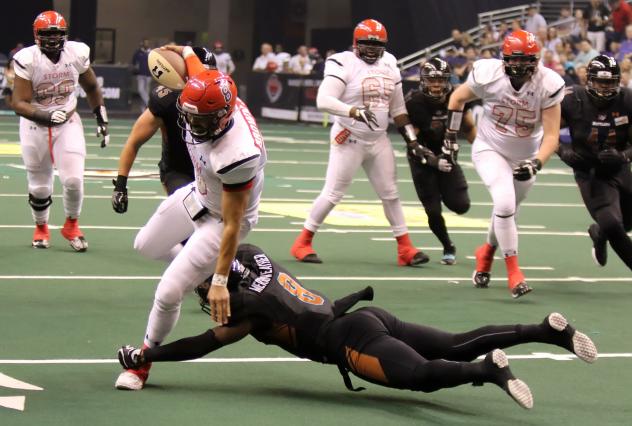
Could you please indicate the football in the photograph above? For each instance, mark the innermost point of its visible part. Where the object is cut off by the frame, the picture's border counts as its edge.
(167, 68)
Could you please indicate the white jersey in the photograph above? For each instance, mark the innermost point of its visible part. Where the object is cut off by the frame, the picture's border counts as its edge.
(236, 158)
(511, 122)
(371, 85)
(54, 85)
(225, 63)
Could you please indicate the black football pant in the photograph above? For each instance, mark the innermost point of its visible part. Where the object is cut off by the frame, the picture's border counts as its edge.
(609, 202)
(173, 179)
(378, 347)
(434, 187)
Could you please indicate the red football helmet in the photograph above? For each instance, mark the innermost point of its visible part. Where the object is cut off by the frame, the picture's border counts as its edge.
(520, 54)
(206, 105)
(50, 31)
(369, 40)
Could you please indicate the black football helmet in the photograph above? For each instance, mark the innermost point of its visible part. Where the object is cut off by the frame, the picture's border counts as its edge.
(603, 78)
(434, 79)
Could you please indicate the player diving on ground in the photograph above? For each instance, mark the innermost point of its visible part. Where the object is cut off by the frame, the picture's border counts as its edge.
(270, 304)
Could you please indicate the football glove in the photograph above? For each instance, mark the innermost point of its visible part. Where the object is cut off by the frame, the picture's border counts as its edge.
(119, 195)
(450, 146)
(102, 125)
(569, 156)
(55, 118)
(612, 157)
(427, 157)
(527, 169)
(365, 115)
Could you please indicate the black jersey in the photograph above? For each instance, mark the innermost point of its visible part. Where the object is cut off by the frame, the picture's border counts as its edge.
(594, 129)
(430, 117)
(294, 316)
(175, 156)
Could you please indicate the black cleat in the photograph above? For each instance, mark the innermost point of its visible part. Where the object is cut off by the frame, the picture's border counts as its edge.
(497, 365)
(520, 290)
(311, 258)
(130, 357)
(419, 259)
(600, 248)
(571, 339)
(481, 279)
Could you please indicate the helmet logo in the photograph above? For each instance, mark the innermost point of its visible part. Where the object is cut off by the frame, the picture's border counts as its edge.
(187, 107)
(224, 86)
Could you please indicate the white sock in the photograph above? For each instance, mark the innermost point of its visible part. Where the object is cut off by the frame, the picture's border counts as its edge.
(162, 319)
(506, 234)
(320, 209)
(395, 216)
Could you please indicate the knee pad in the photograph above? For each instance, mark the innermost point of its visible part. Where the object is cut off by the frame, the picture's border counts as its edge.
(73, 184)
(40, 204)
(504, 210)
(169, 298)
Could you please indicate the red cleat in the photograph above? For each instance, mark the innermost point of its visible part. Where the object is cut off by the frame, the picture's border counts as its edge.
(302, 248)
(484, 258)
(73, 234)
(407, 254)
(41, 236)
(516, 281)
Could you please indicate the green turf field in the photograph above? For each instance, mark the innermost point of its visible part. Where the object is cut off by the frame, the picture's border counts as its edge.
(64, 314)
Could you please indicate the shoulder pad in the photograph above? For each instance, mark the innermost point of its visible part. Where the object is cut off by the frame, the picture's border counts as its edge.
(24, 62)
(389, 58)
(486, 71)
(551, 81)
(81, 50)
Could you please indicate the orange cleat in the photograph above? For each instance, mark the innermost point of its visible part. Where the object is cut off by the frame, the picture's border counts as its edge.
(484, 257)
(407, 254)
(73, 234)
(302, 248)
(41, 236)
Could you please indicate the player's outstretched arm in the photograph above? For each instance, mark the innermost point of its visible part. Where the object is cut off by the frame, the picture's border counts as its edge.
(144, 128)
(88, 82)
(551, 138)
(234, 204)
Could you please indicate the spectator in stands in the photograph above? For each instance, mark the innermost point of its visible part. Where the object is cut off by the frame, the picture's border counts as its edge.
(267, 60)
(282, 58)
(141, 69)
(224, 61)
(549, 59)
(454, 58)
(564, 29)
(19, 46)
(534, 21)
(626, 44)
(462, 71)
(620, 16)
(568, 80)
(318, 62)
(466, 41)
(489, 53)
(487, 37)
(516, 25)
(585, 54)
(503, 30)
(578, 27)
(456, 39)
(614, 50)
(301, 62)
(597, 15)
(552, 39)
(582, 74)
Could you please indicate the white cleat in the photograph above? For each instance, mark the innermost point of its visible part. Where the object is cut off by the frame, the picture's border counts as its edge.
(515, 388)
(575, 341)
(79, 244)
(129, 381)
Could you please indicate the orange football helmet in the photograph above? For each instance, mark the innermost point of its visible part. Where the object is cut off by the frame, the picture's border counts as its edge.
(206, 105)
(369, 40)
(520, 54)
(50, 31)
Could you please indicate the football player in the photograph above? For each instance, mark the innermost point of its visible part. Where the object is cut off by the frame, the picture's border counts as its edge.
(599, 117)
(361, 89)
(437, 179)
(6, 84)
(176, 169)
(228, 157)
(270, 304)
(517, 133)
(51, 133)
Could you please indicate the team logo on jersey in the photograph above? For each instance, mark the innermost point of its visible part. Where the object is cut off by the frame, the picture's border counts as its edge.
(274, 88)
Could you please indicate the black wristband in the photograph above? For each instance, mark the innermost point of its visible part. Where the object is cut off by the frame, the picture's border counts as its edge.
(408, 133)
(538, 164)
(121, 183)
(41, 117)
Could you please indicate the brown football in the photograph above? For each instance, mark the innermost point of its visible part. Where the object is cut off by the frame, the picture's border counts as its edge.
(167, 68)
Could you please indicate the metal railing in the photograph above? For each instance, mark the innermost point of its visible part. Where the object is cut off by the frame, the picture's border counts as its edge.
(493, 17)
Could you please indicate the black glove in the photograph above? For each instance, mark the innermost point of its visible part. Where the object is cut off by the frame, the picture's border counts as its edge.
(569, 156)
(365, 115)
(612, 157)
(102, 125)
(450, 146)
(119, 195)
(527, 169)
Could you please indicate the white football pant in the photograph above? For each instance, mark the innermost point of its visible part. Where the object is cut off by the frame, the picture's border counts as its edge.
(62, 147)
(378, 161)
(496, 171)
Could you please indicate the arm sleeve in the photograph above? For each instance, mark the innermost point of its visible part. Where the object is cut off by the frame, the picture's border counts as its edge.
(398, 106)
(329, 93)
(194, 65)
